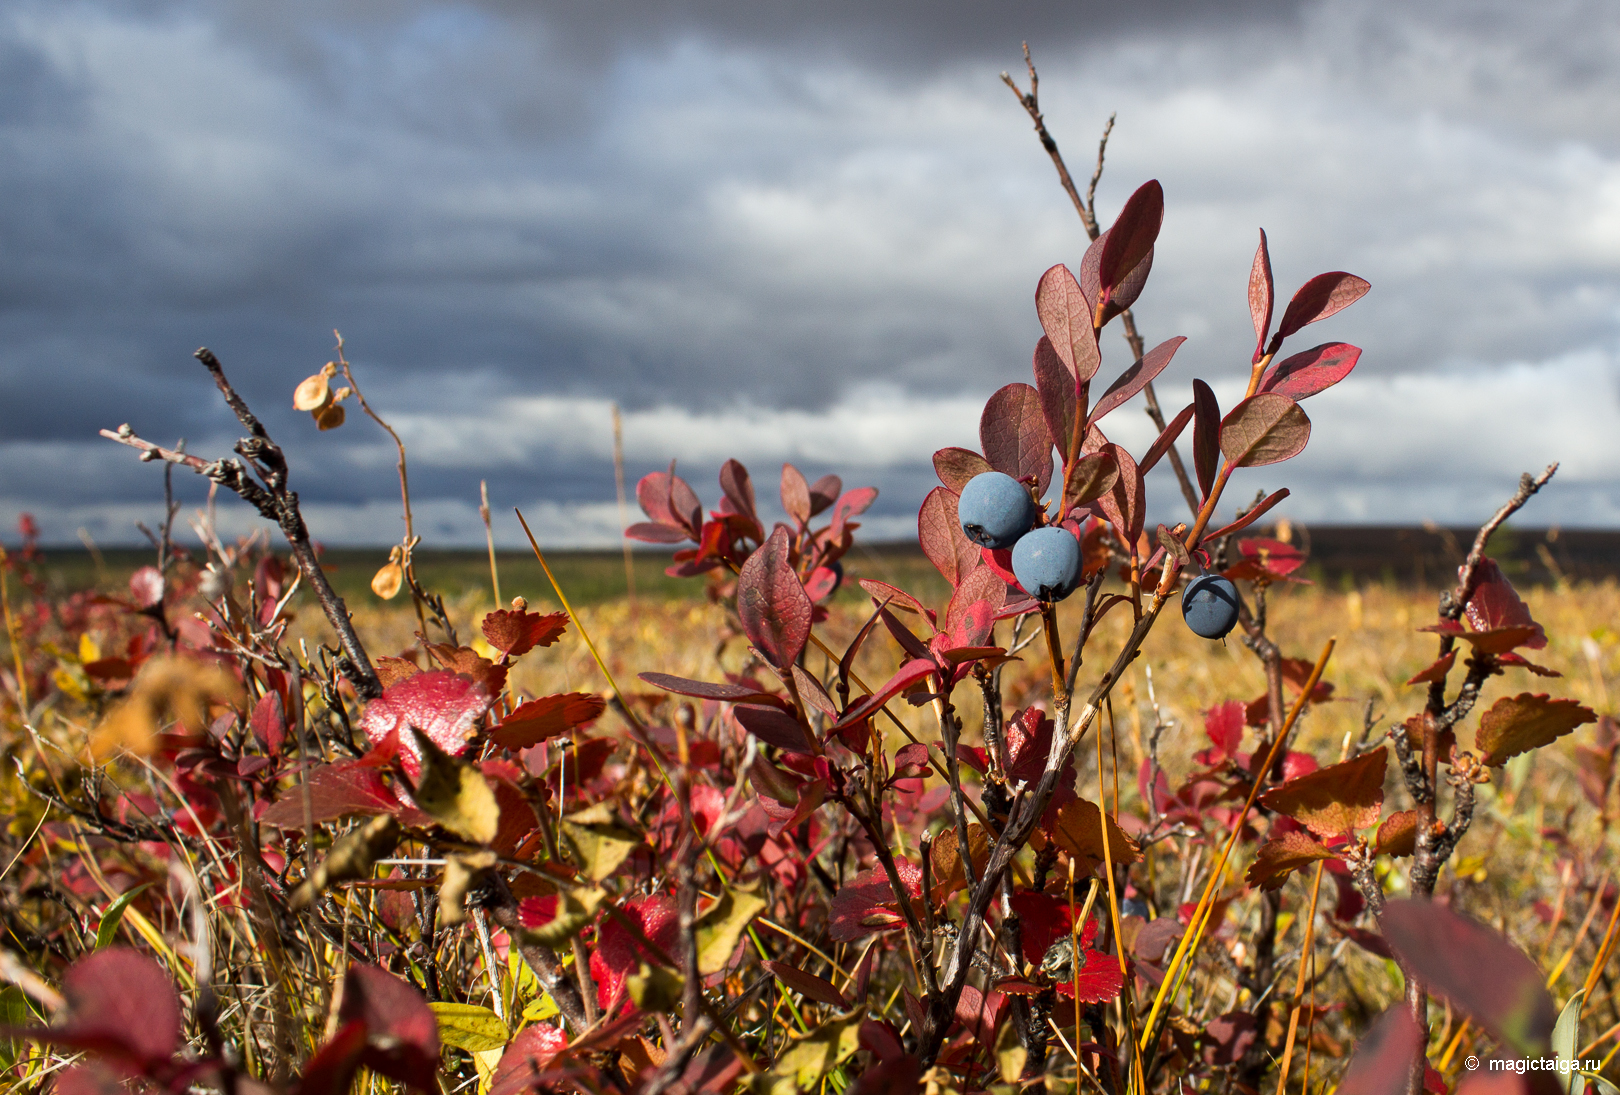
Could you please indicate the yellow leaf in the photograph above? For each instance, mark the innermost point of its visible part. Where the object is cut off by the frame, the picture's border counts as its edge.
(312, 393)
(166, 689)
(812, 1056)
(386, 582)
(460, 872)
(575, 909)
(89, 649)
(541, 1010)
(721, 927)
(352, 856)
(454, 793)
(599, 842)
(470, 1027)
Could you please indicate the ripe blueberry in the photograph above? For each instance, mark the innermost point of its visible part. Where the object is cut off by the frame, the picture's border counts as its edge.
(995, 510)
(1209, 604)
(1046, 563)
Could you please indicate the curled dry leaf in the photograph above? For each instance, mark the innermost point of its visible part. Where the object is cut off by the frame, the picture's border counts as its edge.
(455, 793)
(312, 393)
(460, 873)
(351, 857)
(330, 417)
(388, 580)
(1281, 856)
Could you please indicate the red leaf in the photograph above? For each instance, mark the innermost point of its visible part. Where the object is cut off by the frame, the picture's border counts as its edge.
(795, 495)
(940, 534)
(1312, 371)
(1137, 377)
(401, 1032)
(466, 662)
(1383, 1060)
(335, 790)
(1059, 396)
(956, 466)
(1397, 836)
(146, 587)
(1166, 438)
(1131, 238)
(537, 720)
(1248, 518)
(1478, 970)
(1066, 317)
(1224, 724)
(331, 1071)
(517, 632)
(707, 690)
(1123, 504)
(973, 608)
(1012, 431)
(1335, 800)
(1264, 429)
(739, 491)
(772, 604)
(1319, 298)
(650, 532)
(909, 674)
(1437, 670)
(867, 902)
(1518, 724)
(618, 954)
(807, 984)
(1206, 436)
(1093, 476)
(528, 1055)
(667, 499)
(120, 1004)
(773, 726)
(821, 583)
(853, 503)
(1494, 603)
(824, 492)
(439, 703)
(269, 722)
(1261, 296)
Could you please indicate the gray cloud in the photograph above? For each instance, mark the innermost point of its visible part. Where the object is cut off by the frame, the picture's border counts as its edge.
(811, 237)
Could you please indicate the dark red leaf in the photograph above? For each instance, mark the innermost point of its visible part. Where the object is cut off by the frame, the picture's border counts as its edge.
(795, 495)
(331, 1071)
(806, 984)
(1264, 429)
(1479, 971)
(1319, 298)
(1436, 671)
(1130, 239)
(1012, 431)
(269, 722)
(1206, 436)
(122, 1005)
(1123, 504)
(1261, 296)
(1093, 475)
(772, 604)
(940, 534)
(528, 1055)
(738, 489)
(1248, 518)
(1494, 603)
(707, 690)
(441, 704)
(668, 500)
(335, 790)
(956, 466)
(1281, 855)
(401, 1032)
(1137, 377)
(1311, 371)
(1166, 438)
(824, 492)
(773, 726)
(904, 678)
(1383, 1060)
(650, 532)
(1059, 396)
(535, 721)
(1066, 317)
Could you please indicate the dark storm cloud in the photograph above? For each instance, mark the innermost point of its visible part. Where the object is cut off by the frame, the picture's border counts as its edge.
(808, 233)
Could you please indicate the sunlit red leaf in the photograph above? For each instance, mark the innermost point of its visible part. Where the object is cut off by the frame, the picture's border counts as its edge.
(1337, 799)
(1397, 836)
(909, 674)
(269, 722)
(1224, 724)
(334, 790)
(1123, 504)
(1130, 239)
(1012, 431)
(956, 466)
(528, 1055)
(1437, 669)
(1281, 855)
(1495, 604)
(1311, 371)
(1264, 429)
(1078, 829)
(795, 494)
(1479, 971)
(467, 662)
(772, 604)
(940, 535)
(738, 490)
(1518, 724)
(1319, 298)
(516, 632)
(618, 954)
(1065, 316)
(439, 703)
(535, 721)
(667, 499)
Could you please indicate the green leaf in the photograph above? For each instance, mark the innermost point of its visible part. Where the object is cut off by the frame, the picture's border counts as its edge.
(14, 1013)
(470, 1027)
(599, 842)
(113, 916)
(721, 927)
(1565, 1035)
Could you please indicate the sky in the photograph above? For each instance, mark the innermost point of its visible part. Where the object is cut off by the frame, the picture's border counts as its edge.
(784, 232)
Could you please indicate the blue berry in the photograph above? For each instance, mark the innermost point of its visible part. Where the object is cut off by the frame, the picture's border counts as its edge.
(1046, 563)
(995, 510)
(1209, 604)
